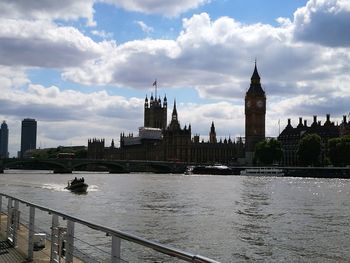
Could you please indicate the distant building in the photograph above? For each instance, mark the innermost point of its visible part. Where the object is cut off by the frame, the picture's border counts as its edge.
(255, 111)
(28, 136)
(291, 136)
(158, 141)
(4, 141)
(96, 148)
(156, 113)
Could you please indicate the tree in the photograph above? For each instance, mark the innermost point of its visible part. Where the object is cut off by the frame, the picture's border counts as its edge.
(309, 149)
(268, 152)
(339, 150)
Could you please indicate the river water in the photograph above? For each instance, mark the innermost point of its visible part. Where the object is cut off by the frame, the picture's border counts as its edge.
(227, 218)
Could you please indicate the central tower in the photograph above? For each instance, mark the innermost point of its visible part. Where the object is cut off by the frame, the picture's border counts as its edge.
(255, 111)
(155, 113)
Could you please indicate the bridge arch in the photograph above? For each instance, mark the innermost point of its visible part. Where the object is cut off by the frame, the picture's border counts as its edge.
(112, 167)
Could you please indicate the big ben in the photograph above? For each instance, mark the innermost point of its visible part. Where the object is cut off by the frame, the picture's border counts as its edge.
(255, 111)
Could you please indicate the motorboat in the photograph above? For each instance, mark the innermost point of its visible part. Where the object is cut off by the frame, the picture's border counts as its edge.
(77, 185)
(263, 171)
(216, 169)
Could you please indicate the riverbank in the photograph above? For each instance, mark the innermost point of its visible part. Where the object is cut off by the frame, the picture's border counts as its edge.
(315, 172)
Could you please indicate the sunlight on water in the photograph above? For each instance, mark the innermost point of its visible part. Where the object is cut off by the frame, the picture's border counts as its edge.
(227, 218)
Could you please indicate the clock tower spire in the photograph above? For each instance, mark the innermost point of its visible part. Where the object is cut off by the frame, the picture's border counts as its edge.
(255, 111)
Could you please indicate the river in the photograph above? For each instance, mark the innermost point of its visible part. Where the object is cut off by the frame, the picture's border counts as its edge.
(227, 218)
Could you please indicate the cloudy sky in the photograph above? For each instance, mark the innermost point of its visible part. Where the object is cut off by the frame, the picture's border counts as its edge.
(82, 68)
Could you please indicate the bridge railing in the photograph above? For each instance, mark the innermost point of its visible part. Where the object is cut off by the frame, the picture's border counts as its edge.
(61, 239)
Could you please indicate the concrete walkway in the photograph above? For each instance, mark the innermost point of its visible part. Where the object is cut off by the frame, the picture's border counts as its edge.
(9, 254)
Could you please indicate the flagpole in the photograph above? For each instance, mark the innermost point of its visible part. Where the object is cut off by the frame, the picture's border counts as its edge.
(156, 89)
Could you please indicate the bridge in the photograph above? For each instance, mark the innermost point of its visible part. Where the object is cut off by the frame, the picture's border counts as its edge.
(61, 165)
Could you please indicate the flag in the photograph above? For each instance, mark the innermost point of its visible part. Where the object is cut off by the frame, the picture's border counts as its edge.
(154, 83)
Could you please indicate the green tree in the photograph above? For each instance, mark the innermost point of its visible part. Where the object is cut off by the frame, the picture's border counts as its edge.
(81, 154)
(268, 152)
(339, 150)
(309, 149)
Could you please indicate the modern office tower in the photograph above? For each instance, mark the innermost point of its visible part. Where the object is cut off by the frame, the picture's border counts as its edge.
(28, 136)
(4, 141)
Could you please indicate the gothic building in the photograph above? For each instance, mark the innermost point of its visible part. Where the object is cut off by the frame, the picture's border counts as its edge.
(155, 113)
(96, 148)
(159, 141)
(291, 136)
(255, 111)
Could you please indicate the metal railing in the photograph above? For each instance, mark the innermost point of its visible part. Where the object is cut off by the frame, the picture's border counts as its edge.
(66, 234)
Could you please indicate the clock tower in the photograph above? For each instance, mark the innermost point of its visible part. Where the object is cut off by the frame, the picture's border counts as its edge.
(255, 111)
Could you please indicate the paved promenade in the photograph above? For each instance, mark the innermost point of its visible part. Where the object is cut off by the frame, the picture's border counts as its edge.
(9, 254)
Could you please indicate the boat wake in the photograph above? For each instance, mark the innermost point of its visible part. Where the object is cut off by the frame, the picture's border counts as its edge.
(54, 187)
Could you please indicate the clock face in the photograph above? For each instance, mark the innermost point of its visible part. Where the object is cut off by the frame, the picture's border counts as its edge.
(249, 103)
(259, 103)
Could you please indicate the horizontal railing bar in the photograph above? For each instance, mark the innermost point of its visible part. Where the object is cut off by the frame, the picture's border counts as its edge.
(123, 235)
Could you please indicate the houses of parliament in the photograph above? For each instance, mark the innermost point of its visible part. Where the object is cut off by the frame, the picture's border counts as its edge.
(159, 141)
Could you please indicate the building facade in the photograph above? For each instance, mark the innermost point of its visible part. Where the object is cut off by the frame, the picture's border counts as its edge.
(159, 141)
(255, 111)
(291, 136)
(4, 141)
(155, 115)
(173, 143)
(28, 136)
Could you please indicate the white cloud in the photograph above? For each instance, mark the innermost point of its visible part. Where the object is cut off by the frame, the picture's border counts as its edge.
(68, 111)
(103, 34)
(43, 44)
(145, 28)
(166, 8)
(207, 55)
(213, 56)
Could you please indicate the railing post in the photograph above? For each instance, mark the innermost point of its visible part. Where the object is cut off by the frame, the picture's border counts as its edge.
(9, 217)
(0, 211)
(116, 255)
(70, 241)
(15, 223)
(54, 239)
(31, 232)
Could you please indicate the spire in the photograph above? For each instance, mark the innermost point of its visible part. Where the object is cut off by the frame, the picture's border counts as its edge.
(212, 134)
(112, 143)
(174, 114)
(255, 85)
(212, 128)
(146, 102)
(255, 75)
(165, 101)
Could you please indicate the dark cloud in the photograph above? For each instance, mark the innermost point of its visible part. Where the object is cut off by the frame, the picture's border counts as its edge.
(167, 8)
(324, 22)
(47, 9)
(36, 52)
(336, 106)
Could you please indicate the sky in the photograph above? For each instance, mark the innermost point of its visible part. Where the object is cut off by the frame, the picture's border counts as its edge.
(82, 68)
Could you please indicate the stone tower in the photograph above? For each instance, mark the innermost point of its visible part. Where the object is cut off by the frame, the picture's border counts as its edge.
(155, 112)
(255, 111)
(212, 134)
